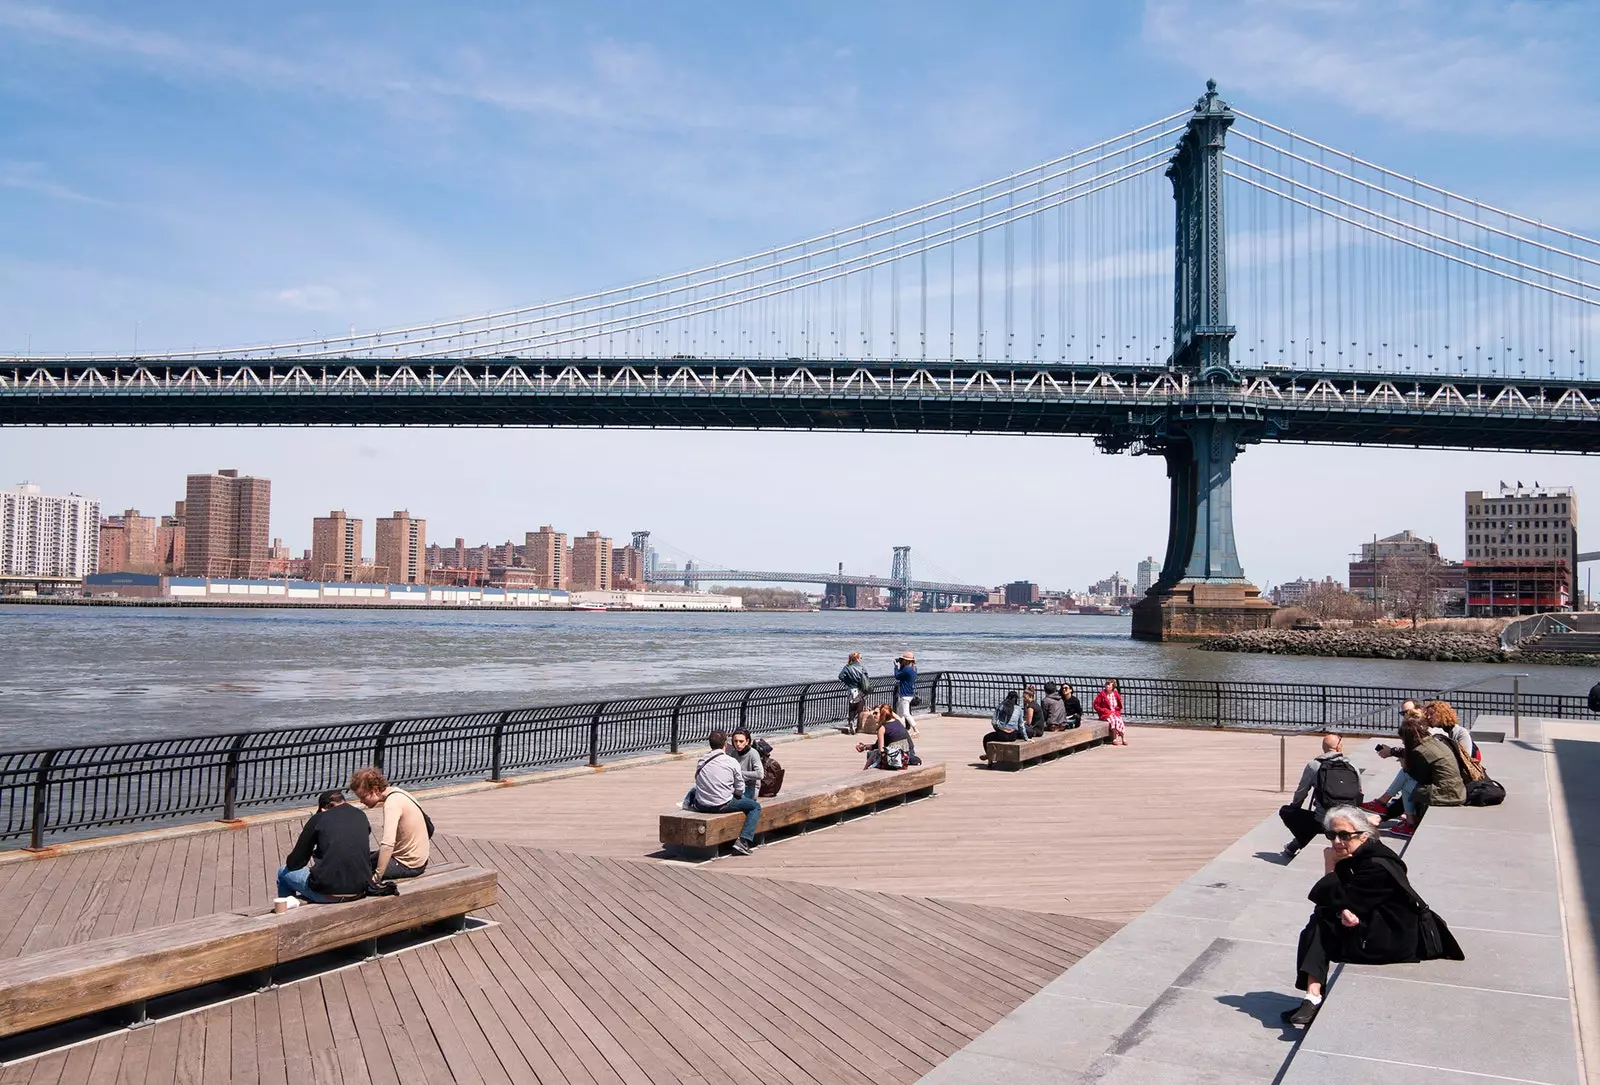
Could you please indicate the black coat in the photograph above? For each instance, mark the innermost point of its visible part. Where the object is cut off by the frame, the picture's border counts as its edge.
(1372, 883)
(337, 839)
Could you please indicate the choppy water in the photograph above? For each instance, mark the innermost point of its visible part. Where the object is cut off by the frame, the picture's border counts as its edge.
(81, 674)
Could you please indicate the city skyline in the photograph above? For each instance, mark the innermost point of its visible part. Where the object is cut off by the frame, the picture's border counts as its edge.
(185, 178)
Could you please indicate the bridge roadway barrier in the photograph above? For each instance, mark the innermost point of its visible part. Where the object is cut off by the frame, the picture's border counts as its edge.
(1191, 991)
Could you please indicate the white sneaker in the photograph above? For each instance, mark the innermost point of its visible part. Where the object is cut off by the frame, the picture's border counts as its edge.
(683, 806)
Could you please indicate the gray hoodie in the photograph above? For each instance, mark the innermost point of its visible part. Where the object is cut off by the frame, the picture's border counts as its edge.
(749, 764)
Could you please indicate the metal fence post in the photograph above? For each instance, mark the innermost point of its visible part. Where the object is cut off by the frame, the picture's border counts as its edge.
(1324, 711)
(677, 713)
(744, 708)
(383, 741)
(1283, 763)
(41, 783)
(1216, 703)
(800, 715)
(1516, 706)
(230, 782)
(497, 747)
(594, 734)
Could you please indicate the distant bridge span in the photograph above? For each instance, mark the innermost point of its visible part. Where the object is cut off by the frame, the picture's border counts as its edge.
(722, 576)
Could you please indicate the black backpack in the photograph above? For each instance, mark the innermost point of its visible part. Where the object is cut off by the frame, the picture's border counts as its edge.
(1338, 784)
(1485, 792)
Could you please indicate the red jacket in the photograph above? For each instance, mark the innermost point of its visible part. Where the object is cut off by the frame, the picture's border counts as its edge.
(1107, 703)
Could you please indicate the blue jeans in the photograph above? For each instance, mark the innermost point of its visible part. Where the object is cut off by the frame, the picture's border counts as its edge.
(292, 883)
(749, 807)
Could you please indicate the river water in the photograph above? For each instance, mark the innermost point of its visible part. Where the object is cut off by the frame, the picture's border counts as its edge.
(71, 675)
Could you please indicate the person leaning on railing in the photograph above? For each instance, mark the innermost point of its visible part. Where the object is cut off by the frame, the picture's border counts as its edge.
(404, 848)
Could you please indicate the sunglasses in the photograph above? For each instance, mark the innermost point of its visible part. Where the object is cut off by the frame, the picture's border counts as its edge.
(1343, 834)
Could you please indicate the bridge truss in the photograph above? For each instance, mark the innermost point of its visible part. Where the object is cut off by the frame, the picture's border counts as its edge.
(1110, 404)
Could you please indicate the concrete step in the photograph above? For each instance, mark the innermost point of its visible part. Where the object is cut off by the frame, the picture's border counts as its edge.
(1190, 991)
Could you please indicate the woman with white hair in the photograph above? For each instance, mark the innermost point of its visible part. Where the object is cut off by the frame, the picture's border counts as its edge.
(1365, 912)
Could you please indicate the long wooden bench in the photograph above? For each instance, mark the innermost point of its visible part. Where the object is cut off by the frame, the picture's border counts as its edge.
(1013, 755)
(128, 970)
(702, 834)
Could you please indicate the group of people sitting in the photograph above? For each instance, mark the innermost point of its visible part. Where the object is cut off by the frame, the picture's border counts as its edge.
(332, 862)
(1438, 759)
(1025, 715)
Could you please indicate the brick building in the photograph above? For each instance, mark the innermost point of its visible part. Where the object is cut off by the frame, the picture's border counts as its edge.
(128, 543)
(545, 552)
(591, 563)
(400, 548)
(226, 521)
(335, 547)
(627, 567)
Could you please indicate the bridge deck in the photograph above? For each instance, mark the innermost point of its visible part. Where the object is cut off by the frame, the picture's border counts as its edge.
(609, 967)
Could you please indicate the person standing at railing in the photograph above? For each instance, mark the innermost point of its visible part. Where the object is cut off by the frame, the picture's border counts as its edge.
(853, 676)
(905, 679)
(1108, 706)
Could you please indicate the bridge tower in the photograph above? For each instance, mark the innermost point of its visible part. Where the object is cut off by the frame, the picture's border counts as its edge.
(1202, 589)
(900, 573)
(647, 555)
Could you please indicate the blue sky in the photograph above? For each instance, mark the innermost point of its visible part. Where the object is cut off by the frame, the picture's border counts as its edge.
(199, 174)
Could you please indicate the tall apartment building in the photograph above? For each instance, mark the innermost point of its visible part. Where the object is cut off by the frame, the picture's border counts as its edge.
(1524, 523)
(128, 543)
(169, 544)
(226, 520)
(627, 567)
(400, 548)
(1148, 573)
(49, 536)
(591, 563)
(335, 547)
(545, 552)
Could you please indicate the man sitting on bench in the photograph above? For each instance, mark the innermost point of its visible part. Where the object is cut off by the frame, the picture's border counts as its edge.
(404, 850)
(1054, 711)
(719, 789)
(334, 841)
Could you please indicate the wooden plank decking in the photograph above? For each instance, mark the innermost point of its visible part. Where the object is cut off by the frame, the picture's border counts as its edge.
(608, 966)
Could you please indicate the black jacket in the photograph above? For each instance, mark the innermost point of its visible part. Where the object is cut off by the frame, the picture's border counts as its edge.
(1372, 883)
(337, 838)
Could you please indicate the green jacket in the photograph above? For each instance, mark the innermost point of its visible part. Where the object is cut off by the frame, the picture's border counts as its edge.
(1433, 765)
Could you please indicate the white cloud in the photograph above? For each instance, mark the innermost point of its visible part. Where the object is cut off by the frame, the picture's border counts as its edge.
(313, 298)
(33, 177)
(1434, 65)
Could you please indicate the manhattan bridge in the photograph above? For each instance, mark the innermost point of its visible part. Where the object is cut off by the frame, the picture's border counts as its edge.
(1314, 296)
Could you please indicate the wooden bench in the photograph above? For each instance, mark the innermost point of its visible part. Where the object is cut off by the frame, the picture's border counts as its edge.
(1013, 755)
(128, 970)
(822, 800)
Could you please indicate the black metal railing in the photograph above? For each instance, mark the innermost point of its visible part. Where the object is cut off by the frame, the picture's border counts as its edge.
(57, 794)
(52, 794)
(1266, 706)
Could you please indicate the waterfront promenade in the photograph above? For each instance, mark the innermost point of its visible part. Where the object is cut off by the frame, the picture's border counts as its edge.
(607, 964)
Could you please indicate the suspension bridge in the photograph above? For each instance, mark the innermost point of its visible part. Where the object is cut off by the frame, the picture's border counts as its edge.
(1316, 296)
(839, 588)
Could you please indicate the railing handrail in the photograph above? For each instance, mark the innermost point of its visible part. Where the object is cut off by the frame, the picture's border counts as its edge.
(74, 789)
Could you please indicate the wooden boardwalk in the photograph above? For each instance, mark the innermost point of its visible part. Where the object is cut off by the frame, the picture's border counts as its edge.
(868, 952)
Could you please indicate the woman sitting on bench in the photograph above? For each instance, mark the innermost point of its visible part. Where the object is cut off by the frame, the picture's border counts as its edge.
(1007, 723)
